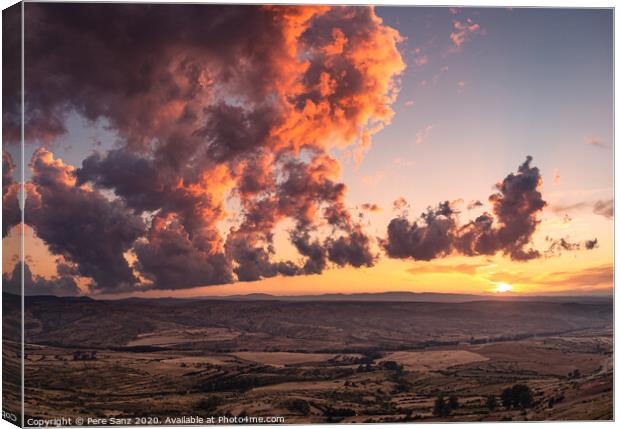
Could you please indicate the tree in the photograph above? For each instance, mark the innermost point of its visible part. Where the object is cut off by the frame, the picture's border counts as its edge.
(441, 408)
(507, 398)
(491, 402)
(518, 395)
(522, 396)
(453, 402)
(392, 366)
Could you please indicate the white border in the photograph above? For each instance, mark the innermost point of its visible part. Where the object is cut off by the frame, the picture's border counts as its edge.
(478, 3)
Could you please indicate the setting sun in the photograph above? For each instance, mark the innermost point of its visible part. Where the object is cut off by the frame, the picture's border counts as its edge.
(503, 287)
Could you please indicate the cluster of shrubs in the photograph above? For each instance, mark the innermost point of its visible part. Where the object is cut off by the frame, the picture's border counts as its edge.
(79, 355)
(444, 407)
(517, 396)
(555, 399)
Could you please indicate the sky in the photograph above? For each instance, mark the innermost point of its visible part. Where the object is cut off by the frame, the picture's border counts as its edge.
(320, 150)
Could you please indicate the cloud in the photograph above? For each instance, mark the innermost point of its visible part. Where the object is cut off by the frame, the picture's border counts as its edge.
(208, 103)
(604, 208)
(508, 228)
(469, 269)
(556, 246)
(556, 176)
(419, 58)
(371, 207)
(374, 179)
(591, 244)
(592, 276)
(474, 204)
(400, 203)
(62, 285)
(438, 75)
(404, 162)
(81, 224)
(600, 207)
(172, 259)
(352, 249)
(599, 275)
(595, 141)
(429, 238)
(463, 31)
(422, 135)
(11, 212)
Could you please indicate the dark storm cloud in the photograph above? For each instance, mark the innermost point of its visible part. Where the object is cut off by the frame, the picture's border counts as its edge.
(171, 259)
(207, 102)
(149, 58)
(11, 213)
(81, 224)
(254, 260)
(313, 250)
(62, 285)
(428, 238)
(217, 105)
(352, 249)
(516, 207)
(507, 229)
(11, 74)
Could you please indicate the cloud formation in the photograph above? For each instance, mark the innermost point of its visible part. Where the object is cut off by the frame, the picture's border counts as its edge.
(507, 229)
(63, 284)
(604, 208)
(11, 212)
(595, 141)
(422, 135)
(81, 224)
(209, 103)
(463, 31)
(584, 278)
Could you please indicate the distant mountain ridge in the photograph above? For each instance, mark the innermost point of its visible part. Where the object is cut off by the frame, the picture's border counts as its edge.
(393, 296)
(406, 297)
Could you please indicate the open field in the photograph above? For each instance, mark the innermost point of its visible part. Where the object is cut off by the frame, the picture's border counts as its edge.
(317, 362)
(433, 360)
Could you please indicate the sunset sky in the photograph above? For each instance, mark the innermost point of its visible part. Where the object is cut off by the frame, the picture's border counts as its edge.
(153, 133)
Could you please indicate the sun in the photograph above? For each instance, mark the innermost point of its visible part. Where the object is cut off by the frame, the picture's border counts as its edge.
(502, 287)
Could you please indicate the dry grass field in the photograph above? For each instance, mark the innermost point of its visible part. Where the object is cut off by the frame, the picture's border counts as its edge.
(433, 360)
(268, 358)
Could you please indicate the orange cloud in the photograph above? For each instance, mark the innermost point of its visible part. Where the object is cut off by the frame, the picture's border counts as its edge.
(426, 268)
(585, 278)
(463, 30)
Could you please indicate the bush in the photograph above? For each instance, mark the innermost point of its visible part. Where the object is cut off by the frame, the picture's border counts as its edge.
(518, 395)
(441, 408)
(491, 402)
(453, 402)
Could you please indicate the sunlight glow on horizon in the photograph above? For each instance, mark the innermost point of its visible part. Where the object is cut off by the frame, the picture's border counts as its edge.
(502, 287)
